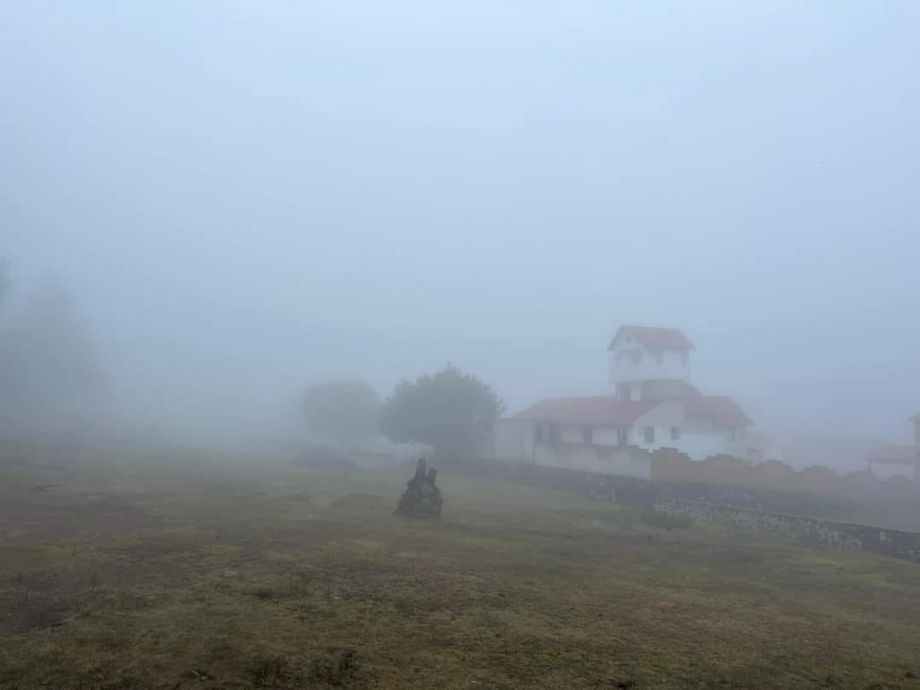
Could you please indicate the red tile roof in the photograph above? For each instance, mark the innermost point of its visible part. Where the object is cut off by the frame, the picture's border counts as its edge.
(660, 338)
(608, 410)
(722, 410)
(602, 410)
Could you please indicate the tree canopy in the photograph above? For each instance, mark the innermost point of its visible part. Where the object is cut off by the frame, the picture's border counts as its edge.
(48, 363)
(448, 410)
(344, 412)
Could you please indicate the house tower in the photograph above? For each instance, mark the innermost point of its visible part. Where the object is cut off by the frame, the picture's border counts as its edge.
(649, 363)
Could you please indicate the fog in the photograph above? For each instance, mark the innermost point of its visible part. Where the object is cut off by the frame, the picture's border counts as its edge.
(244, 198)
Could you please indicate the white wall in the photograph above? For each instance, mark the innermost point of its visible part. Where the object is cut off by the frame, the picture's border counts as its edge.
(698, 438)
(514, 440)
(511, 439)
(606, 436)
(661, 418)
(572, 434)
(624, 461)
(648, 368)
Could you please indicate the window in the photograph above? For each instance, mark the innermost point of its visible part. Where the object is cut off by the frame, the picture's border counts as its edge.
(659, 356)
(731, 435)
(587, 435)
(539, 433)
(622, 436)
(683, 358)
(552, 434)
(649, 432)
(675, 433)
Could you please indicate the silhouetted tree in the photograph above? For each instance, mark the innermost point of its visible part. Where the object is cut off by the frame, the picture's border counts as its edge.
(447, 410)
(48, 362)
(345, 412)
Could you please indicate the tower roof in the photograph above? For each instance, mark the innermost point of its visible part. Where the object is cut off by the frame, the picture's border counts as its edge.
(654, 337)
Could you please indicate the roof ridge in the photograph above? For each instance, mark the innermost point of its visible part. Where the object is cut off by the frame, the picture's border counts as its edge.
(664, 337)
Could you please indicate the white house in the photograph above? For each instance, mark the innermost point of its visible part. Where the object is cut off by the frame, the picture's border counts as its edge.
(652, 405)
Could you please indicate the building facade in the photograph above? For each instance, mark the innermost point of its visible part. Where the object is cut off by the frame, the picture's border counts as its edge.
(651, 404)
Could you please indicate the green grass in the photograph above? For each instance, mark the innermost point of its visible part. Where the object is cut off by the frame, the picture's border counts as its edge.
(155, 569)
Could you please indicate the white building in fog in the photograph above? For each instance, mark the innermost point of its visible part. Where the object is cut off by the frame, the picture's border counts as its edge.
(651, 404)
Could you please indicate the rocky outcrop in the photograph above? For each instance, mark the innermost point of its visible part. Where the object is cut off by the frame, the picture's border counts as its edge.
(422, 497)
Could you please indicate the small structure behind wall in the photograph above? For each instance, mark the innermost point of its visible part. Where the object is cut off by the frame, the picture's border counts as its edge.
(900, 456)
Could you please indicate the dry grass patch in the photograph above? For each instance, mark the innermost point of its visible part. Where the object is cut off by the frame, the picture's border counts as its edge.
(215, 573)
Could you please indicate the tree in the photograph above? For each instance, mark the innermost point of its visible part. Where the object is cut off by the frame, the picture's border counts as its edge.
(344, 412)
(447, 410)
(48, 366)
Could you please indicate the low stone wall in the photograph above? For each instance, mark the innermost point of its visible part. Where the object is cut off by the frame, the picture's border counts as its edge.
(800, 517)
(842, 535)
(637, 491)
(672, 466)
(606, 487)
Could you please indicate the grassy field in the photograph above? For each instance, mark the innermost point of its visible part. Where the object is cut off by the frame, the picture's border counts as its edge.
(159, 569)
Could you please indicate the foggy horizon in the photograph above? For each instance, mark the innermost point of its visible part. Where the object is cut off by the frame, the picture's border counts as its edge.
(247, 199)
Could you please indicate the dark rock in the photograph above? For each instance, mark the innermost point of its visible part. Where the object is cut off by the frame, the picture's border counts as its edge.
(422, 497)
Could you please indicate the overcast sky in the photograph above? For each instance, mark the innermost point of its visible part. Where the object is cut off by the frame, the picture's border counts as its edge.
(247, 196)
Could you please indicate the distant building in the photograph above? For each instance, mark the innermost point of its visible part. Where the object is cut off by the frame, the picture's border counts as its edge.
(842, 453)
(904, 458)
(651, 405)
